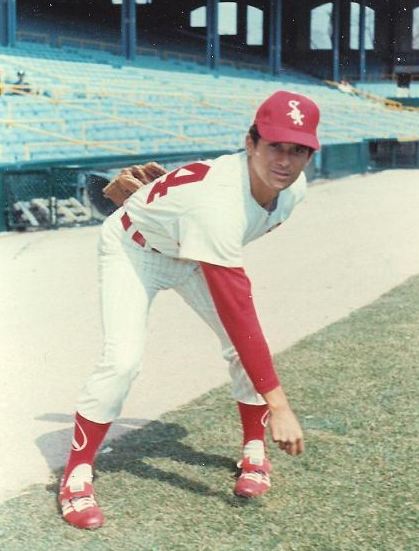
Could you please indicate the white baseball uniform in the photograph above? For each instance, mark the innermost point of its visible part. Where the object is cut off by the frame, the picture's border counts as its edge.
(203, 212)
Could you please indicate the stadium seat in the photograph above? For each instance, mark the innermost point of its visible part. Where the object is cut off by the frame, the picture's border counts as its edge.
(150, 106)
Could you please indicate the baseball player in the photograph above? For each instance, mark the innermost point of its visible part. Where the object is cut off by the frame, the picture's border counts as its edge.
(186, 231)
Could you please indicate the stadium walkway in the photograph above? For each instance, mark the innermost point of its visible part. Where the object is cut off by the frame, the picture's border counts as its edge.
(351, 241)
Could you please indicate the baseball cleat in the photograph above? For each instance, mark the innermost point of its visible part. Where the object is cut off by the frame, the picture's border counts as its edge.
(253, 477)
(76, 498)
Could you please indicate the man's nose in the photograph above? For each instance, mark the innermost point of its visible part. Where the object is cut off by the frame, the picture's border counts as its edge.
(282, 158)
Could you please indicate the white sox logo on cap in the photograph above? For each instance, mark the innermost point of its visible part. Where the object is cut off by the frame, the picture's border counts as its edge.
(74, 444)
(295, 113)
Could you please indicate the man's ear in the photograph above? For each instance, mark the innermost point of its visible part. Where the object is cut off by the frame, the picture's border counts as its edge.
(250, 146)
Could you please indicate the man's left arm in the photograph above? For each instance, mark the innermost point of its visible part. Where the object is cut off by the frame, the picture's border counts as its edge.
(231, 291)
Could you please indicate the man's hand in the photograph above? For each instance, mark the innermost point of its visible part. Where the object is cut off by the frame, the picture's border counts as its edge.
(286, 430)
(130, 180)
(284, 425)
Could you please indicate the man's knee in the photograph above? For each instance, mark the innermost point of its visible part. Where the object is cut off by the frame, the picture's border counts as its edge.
(126, 370)
(120, 365)
(103, 395)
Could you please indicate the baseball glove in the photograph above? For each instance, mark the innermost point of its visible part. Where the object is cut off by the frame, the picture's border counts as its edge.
(130, 180)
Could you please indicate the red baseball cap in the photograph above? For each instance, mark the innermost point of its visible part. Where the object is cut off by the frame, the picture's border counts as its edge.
(290, 118)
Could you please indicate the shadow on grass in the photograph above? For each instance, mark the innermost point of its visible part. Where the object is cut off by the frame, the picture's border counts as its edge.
(134, 452)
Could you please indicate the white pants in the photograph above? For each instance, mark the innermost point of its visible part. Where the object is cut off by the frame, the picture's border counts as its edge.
(130, 277)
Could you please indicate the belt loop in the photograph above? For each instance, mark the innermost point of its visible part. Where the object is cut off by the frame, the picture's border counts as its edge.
(137, 236)
(126, 221)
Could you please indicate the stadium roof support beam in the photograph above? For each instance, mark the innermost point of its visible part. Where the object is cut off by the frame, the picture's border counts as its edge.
(8, 22)
(242, 22)
(213, 38)
(129, 29)
(362, 52)
(275, 36)
(336, 39)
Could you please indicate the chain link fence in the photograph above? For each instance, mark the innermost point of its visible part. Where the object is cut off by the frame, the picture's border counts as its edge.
(46, 199)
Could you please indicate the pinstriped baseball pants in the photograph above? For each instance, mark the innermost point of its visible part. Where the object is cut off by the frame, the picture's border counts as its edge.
(130, 277)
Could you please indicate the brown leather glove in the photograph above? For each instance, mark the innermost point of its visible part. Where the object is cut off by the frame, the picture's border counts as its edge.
(130, 180)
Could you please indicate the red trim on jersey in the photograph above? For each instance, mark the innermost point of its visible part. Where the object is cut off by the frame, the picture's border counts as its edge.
(231, 291)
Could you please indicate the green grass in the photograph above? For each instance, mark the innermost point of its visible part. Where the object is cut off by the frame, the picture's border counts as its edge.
(168, 486)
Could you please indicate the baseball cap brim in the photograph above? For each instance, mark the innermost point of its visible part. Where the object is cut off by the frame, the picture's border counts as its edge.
(286, 135)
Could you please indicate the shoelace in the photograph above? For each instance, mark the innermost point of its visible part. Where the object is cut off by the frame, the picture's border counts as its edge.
(81, 503)
(257, 476)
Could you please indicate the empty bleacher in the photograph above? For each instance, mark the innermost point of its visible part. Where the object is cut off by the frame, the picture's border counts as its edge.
(84, 104)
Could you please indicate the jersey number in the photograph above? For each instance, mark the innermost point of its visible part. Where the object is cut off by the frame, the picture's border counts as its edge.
(197, 172)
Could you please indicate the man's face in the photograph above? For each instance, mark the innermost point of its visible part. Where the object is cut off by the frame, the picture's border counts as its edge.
(274, 166)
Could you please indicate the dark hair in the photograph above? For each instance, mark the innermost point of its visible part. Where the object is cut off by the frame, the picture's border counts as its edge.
(254, 134)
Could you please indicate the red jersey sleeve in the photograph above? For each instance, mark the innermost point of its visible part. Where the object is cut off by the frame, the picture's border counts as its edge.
(231, 292)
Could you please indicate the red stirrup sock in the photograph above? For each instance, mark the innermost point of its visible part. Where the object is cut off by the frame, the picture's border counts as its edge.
(87, 438)
(254, 420)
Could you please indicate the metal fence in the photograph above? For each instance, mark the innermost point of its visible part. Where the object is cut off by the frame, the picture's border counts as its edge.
(44, 198)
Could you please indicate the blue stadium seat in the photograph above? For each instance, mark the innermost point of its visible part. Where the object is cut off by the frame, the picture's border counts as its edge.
(150, 105)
